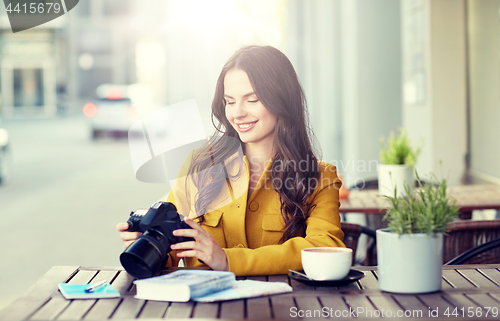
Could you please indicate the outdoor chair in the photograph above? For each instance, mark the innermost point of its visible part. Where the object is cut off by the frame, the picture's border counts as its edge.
(352, 232)
(466, 235)
(474, 252)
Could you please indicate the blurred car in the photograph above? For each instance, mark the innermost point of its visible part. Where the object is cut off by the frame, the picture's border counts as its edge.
(117, 107)
(5, 156)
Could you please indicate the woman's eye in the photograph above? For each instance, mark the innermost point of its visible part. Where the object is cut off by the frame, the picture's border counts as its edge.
(253, 101)
(230, 103)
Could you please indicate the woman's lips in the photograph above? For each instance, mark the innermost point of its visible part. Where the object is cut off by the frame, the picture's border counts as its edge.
(244, 127)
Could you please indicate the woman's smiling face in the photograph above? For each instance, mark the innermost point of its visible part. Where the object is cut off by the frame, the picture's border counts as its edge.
(248, 116)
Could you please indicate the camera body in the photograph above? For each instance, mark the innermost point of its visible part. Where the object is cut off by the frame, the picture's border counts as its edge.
(144, 257)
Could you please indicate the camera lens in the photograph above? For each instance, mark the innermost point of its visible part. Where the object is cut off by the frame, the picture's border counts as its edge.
(143, 258)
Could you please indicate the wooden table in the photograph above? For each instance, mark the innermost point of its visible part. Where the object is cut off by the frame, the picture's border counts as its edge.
(469, 198)
(468, 290)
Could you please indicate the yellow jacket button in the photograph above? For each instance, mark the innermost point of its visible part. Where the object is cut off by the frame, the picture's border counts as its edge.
(254, 206)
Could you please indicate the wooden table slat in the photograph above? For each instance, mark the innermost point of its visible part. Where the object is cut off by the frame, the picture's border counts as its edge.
(103, 309)
(459, 300)
(38, 294)
(369, 281)
(445, 285)
(477, 278)
(362, 307)
(154, 310)
(83, 277)
(76, 310)
(472, 288)
(436, 305)
(333, 305)
(129, 308)
(471, 308)
(456, 280)
(51, 309)
(180, 310)
(410, 303)
(281, 306)
(385, 304)
(232, 309)
(259, 308)
(492, 274)
(104, 276)
(495, 296)
(123, 283)
(308, 303)
(206, 310)
(483, 300)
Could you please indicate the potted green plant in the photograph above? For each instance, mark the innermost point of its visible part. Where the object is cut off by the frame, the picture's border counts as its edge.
(410, 250)
(398, 159)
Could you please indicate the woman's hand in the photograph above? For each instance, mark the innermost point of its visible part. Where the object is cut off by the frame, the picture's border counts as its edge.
(127, 237)
(205, 248)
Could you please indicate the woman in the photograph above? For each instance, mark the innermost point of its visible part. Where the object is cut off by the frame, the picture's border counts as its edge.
(290, 199)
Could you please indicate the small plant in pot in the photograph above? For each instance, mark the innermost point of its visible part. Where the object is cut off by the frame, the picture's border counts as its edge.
(410, 250)
(398, 159)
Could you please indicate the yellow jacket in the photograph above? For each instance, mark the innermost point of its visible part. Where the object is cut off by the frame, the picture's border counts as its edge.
(233, 226)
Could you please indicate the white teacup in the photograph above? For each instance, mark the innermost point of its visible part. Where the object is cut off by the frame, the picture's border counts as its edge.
(326, 263)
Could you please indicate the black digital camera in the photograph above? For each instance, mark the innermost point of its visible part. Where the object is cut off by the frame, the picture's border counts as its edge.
(145, 256)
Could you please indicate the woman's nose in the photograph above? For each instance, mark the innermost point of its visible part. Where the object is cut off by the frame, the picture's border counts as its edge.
(239, 110)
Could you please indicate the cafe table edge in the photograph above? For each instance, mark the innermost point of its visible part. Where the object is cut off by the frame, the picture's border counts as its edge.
(41, 291)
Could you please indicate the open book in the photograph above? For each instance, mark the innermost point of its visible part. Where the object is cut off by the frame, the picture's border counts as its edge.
(246, 289)
(203, 286)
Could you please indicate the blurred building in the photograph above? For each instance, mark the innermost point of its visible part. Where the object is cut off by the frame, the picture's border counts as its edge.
(367, 67)
(32, 66)
(55, 67)
(101, 48)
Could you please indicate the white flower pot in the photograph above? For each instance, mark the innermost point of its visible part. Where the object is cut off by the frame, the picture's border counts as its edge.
(409, 263)
(395, 176)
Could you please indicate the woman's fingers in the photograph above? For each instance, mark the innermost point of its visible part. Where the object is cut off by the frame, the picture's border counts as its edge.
(204, 248)
(196, 231)
(192, 253)
(129, 236)
(197, 235)
(127, 244)
(122, 226)
(184, 245)
(193, 224)
(196, 249)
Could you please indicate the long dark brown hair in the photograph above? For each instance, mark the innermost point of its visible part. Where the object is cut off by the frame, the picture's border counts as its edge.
(277, 86)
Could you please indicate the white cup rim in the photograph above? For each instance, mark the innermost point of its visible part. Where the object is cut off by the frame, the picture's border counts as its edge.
(337, 249)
